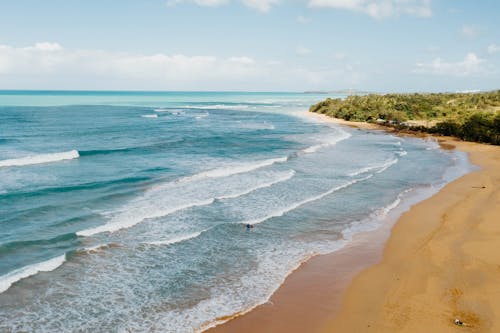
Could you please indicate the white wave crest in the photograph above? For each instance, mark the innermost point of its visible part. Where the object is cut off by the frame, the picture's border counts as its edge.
(257, 126)
(382, 167)
(94, 248)
(217, 107)
(232, 170)
(388, 165)
(99, 247)
(402, 153)
(290, 174)
(149, 116)
(384, 211)
(41, 158)
(305, 201)
(330, 141)
(126, 221)
(176, 239)
(45, 266)
(375, 219)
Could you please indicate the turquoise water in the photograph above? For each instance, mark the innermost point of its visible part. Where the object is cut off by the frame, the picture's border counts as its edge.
(126, 211)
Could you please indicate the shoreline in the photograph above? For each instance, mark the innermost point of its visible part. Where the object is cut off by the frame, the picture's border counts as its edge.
(327, 293)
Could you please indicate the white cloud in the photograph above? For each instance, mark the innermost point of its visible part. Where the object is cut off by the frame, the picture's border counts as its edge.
(302, 50)
(339, 56)
(45, 46)
(471, 65)
(303, 20)
(493, 48)
(204, 3)
(470, 31)
(260, 5)
(242, 60)
(432, 49)
(379, 9)
(51, 66)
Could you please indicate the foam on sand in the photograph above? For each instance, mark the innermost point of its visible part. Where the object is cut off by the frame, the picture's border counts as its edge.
(40, 159)
(45, 266)
(384, 211)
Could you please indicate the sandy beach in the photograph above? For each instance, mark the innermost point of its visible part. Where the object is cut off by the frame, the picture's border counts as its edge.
(440, 262)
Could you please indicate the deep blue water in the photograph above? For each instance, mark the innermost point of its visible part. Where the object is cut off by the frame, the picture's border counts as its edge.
(126, 211)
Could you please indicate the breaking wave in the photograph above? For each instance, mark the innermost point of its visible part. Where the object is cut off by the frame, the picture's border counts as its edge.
(40, 159)
(45, 266)
(296, 205)
(381, 168)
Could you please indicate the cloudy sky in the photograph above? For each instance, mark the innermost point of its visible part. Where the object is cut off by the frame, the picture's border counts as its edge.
(257, 45)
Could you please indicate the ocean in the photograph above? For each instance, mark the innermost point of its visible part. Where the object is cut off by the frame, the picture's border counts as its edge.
(127, 211)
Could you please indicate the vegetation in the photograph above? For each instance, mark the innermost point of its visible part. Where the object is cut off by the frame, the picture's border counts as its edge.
(469, 116)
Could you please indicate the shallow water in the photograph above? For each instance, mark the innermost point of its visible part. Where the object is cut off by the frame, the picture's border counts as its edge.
(126, 211)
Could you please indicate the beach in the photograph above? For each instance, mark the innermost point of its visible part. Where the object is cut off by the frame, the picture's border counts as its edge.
(149, 209)
(440, 263)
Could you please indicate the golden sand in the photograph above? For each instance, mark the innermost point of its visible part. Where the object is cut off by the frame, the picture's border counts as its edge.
(441, 263)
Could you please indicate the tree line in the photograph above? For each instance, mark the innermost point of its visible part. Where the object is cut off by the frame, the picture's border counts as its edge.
(468, 116)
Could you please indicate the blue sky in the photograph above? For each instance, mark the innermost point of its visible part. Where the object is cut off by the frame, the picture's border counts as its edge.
(258, 45)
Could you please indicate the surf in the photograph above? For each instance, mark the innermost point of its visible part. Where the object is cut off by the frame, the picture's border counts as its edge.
(175, 240)
(121, 221)
(227, 171)
(381, 168)
(296, 205)
(40, 159)
(7, 280)
(331, 141)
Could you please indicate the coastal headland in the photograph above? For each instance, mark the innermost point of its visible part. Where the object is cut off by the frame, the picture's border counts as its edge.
(439, 262)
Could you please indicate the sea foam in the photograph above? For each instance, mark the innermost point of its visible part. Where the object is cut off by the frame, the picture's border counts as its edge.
(45, 266)
(296, 205)
(330, 141)
(381, 168)
(231, 170)
(176, 239)
(286, 177)
(41, 158)
(375, 219)
(119, 223)
(124, 222)
(217, 107)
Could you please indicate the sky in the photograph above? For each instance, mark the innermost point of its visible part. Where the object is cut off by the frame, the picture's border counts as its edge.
(250, 45)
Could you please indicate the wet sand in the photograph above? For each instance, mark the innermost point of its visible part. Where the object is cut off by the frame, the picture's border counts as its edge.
(441, 262)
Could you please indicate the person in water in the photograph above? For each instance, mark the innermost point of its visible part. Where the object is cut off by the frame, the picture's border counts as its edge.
(249, 226)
